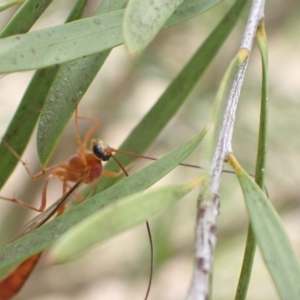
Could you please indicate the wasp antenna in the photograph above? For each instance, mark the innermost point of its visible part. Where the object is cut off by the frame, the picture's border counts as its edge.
(120, 165)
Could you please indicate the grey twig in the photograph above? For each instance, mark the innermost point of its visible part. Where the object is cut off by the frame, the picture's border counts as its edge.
(209, 200)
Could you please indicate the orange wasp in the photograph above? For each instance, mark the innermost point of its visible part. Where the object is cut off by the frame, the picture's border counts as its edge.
(84, 167)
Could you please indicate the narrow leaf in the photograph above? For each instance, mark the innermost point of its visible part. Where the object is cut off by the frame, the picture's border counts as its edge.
(142, 21)
(116, 218)
(24, 121)
(59, 44)
(70, 85)
(5, 5)
(25, 17)
(272, 239)
(189, 9)
(110, 5)
(263, 126)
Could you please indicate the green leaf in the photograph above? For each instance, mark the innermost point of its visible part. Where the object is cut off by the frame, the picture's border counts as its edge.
(24, 120)
(43, 237)
(272, 239)
(116, 218)
(5, 5)
(263, 126)
(77, 11)
(142, 21)
(110, 5)
(70, 85)
(25, 17)
(64, 43)
(189, 9)
(60, 44)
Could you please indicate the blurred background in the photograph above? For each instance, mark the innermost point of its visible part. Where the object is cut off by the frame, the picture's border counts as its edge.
(124, 90)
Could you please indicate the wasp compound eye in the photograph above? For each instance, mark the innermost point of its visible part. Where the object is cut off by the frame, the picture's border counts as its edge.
(102, 151)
